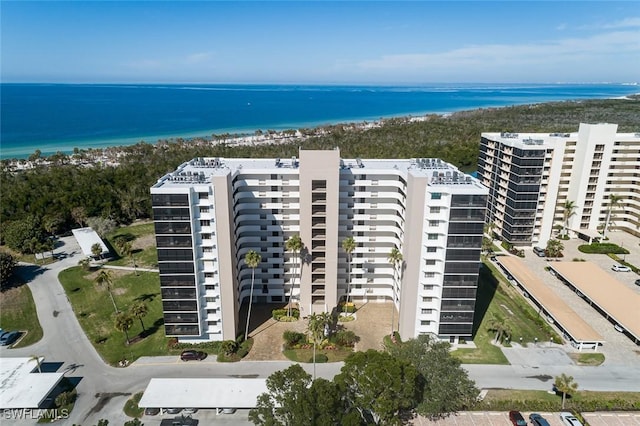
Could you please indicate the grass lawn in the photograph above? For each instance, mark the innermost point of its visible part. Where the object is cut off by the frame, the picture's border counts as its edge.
(587, 358)
(94, 310)
(131, 408)
(142, 237)
(18, 312)
(496, 297)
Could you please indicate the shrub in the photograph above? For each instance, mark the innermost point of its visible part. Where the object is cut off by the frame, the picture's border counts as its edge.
(281, 314)
(244, 348)
(347, 307)
(211, 347)
(66, 398)
(292, 338)
(603, 248)
(320, 358)
(229, 347)
(346, 338)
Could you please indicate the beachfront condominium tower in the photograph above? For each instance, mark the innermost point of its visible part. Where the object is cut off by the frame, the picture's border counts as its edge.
(543, 184)
(211, 211)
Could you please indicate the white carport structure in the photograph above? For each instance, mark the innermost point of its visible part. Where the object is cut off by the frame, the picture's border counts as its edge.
(21, 386)
(203, 393)
(86, 238)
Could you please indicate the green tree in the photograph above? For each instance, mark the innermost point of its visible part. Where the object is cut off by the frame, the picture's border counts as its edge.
(395, 259)
(614, 201)
(294, 244)
(23, 235)
(140, 310)
(133, 422)
(446, 386)
(7, 267)
(252, 259)
(85, 263)
(53, 224)
(104, 279)
(568, 210)
(127, 250)
(123, 323)
(565, 385)
(96, 250)
(79, 215)
(381, 388)
(498, 326)
(101, 225)
(554, 248)
(348, 245)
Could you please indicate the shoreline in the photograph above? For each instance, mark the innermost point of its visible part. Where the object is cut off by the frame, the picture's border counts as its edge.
(242, 136)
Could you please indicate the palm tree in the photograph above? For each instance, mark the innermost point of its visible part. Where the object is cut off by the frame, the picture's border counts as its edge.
(96, 250)
(497, 325)
(395, 258)
(36, 358)
(568, 210)
(554, 248)
(294, 245)
(614, 200)
(140, 310)
(123, 322)
(566, 385)
(85, 263)
(317, 326)
(127, 250)
(252, 259)
(348, 245)
(104, 279)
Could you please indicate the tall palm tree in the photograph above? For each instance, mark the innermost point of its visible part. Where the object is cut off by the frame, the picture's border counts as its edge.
(140, 310)
(395, 258)
(568, 210)
(127, 250)
(96, 250)
(614, 200)
(123, 322)
(104, 280)
(566, 385)
(294, 245)
(252, 259)
(348, 245)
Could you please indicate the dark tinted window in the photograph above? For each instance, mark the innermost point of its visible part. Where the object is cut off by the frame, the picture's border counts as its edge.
(173, 227)
(456, 317)
(180, 317)
(176, 241)
(458, 305)
(470, 214)
(178, 293)
(461, 267)
(462, 254)
(465, 228)
(458, 293)
(175, 267)
(177, 280)
(464, 241)
(182, 305)
(170, 199)
(181, 330)
(461, 329)
(175, 254)
(170, 213)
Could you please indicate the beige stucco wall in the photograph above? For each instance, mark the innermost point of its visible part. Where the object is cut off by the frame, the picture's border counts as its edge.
(411, 253)
(320, 165)
(226, 255)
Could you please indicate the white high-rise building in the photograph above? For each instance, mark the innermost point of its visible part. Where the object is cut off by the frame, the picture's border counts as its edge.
(532, 176)
(211, 211)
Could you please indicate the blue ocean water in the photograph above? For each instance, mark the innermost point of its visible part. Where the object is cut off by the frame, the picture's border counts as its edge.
(59, 117)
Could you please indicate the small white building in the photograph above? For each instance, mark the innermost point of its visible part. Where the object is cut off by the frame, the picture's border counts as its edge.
(86, 238)
(22, 386)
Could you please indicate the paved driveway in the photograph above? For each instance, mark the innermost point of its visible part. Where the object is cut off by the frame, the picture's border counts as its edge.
(492, 418)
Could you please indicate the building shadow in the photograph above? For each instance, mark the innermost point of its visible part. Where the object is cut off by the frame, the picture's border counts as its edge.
(487, 287)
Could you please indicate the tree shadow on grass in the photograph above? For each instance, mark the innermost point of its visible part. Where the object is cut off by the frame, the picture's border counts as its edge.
(147, 297)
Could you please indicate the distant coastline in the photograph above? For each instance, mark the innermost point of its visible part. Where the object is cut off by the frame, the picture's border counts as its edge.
(273, 104)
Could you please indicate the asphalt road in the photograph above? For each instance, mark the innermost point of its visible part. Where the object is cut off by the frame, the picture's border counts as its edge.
(102, 389)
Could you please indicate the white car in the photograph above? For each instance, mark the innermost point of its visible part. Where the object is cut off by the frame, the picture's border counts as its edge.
(621, 268)
(619, 328)
(569, 419)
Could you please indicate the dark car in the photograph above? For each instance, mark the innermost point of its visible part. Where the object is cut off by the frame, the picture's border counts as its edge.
(539, 251)
(191, 355)
(538, 420)
(517, 419)
(637, 282)
(8, 338)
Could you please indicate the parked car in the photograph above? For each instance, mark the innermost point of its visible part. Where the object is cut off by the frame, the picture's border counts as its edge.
(538, 420)
(192, 355)
(621, 268)
(539, 251)
(618, 328)
(9, 337)
(569, 419)
(172, 410)
(151, 411)
(190, 410)
(637, 282)
(517, 419)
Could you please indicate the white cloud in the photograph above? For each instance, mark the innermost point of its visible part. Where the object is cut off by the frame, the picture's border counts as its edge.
(625, 23)
(575, 51)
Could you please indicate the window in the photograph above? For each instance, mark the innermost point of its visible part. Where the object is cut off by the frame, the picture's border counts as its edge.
(434, 222)
(426, 311)
(432, 236)
(430, 262)
(205, 223)
(204, 209)
(429, 274)
(436, 195)
(425, 322)
(206, 236)
(431, 249)
(434, 209)
(427, 287)
(203, 195)
(427, 299)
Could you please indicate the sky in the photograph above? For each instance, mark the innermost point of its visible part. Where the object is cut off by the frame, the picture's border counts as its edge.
(323, 42)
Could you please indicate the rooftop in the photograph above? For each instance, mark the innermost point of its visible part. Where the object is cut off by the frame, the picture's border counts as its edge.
(21, 386)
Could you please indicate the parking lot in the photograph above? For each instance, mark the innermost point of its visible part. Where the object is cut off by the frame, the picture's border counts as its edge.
(618, 349)
(492, 418)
